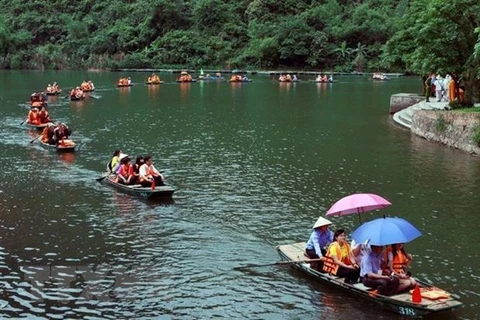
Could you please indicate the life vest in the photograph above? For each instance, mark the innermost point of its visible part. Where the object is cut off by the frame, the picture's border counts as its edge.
(399, 262)
(329, 264)
(33, 117)
(125, 170)
(148, 173)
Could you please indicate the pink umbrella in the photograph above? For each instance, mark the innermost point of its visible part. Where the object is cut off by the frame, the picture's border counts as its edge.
(357, 203)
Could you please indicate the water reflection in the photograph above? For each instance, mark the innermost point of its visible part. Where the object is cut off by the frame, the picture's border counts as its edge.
(153, 91)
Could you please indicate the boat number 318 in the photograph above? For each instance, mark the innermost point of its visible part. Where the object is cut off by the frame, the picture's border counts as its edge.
(406, 311)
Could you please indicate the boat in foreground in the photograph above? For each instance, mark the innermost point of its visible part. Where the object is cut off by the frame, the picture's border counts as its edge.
(159, 192)
(439, 300)
(63, 146)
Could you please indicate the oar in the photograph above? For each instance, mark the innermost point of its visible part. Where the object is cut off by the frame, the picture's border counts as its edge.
(35, 138)
(278, 263)
(23, 122)
(93, 97)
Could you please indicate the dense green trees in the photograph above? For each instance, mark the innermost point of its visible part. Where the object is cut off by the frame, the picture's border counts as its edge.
(369, 35)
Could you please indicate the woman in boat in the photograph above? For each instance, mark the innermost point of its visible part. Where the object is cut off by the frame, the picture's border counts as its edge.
(319, 240)
(125, 171)
(398, 261)
(371, 273)
(149, 175)
(139, 161)
(61, 132)
(114, 161)
(47, 134)
(341, 263)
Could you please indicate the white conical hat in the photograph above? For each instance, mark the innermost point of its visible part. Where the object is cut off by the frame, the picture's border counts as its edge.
(321, 222)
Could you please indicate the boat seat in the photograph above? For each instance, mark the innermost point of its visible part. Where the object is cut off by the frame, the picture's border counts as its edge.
(135, 186)
(361, 286)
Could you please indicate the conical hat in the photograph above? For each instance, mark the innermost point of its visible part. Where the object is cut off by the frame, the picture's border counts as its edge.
(184, 72)
(321, 222)
(122, 155)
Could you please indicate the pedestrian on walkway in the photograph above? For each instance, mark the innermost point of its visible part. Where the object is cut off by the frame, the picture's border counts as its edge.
(428, 87)
(439, 88)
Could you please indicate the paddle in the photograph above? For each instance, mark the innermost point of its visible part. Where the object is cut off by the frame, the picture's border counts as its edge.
(35, 138)
(278, 263)
(23, 122)
(101, 178)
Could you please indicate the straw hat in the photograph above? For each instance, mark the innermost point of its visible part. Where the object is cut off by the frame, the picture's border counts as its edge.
(321, 222)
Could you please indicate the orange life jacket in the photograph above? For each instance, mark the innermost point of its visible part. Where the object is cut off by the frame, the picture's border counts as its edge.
(125, 170)
(329, 264)
(399, 260)
(33, 117)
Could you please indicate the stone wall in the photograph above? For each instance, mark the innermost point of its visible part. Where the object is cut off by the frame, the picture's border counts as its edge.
(401, 101)
(454, 129)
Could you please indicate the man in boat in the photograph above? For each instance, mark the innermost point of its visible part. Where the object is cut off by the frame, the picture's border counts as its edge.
(43, 115)
(320, 238)
(371, 273)
(33, 117)
(148, 175)
(61, 132)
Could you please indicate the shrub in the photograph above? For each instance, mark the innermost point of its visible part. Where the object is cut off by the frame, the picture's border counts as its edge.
(441, 124)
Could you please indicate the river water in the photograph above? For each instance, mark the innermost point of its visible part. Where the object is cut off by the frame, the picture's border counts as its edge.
(253, 164)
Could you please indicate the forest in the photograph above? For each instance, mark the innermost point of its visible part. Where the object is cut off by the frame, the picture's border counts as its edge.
(412, 36)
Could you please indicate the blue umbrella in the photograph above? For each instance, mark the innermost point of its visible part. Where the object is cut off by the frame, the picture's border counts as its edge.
(385, 231)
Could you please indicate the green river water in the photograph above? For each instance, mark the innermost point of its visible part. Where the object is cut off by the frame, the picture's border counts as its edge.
(253, 164)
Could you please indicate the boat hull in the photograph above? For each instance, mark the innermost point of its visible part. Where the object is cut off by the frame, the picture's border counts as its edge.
(180, 81)
(400, 303)
(153, 83)
(58, 148)
(124, 85)
(56, 93)
(38, 127)
(74, 98)
(160, 192)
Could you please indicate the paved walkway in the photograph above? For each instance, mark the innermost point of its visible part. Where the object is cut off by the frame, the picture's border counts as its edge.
(404, 117)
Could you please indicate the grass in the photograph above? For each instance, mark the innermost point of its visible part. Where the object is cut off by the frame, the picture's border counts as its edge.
(467, 110)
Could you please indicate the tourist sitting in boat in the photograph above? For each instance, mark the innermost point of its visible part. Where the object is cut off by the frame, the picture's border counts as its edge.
(153, 79)
(324, 78)
(47, 134)
(340, 261)
(43, 116)
(148, 175)
(319, 78)
(56, 87)
(397, 262)
(49, 88)
(294, 78)
(218, 75)
(330, 78)
(245, 79)
(37, 99)
(371, 273)
(77, 93)
(125, 171)
(139, 161)
(61, 132)
(319, 240)
(32, 117)
(114, 161)
(185, 77)
(236, 78)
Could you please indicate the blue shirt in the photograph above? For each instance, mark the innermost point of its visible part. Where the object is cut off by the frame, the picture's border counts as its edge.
(319, 240)
(371, 263)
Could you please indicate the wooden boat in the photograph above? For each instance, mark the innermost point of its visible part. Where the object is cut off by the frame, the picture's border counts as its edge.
(38, 126)
(153, 83)
(88, 90)
(400, 303)
(160, 192)
(186, 81)
(289, 81)
(124, 85)
(320, 81)
(54, 93)
(76, 98)
(210, 78)
(248, 80)
(59, 147)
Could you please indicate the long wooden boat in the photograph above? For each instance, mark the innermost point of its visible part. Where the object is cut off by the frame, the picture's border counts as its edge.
(38, 126)
(153, 83)
(58, 147)
(124, 85)
(53, 93)
(160, 192)
(77, 98)
(184, 81)
(320, 81)
(400, 303)
(88, 90)
(234, 81)
(210, 78)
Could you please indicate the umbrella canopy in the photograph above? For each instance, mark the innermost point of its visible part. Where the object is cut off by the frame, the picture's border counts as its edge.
(357, 203)
(385, 231)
